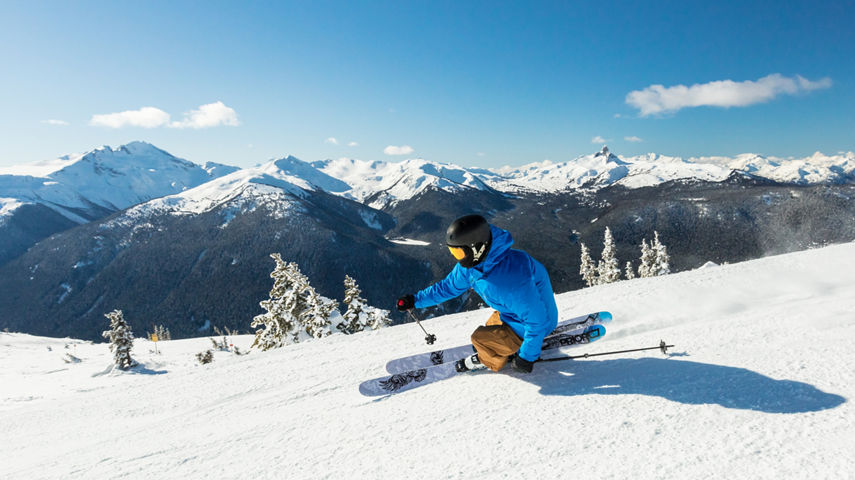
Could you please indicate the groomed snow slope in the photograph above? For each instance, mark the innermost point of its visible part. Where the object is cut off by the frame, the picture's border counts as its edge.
(760, 385)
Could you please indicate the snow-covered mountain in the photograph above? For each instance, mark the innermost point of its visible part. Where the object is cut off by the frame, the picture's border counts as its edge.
(116, 178)
(759, 385)
(379, 184)
(105, 179)
(605, 168)
(41, 199)
(278, 181)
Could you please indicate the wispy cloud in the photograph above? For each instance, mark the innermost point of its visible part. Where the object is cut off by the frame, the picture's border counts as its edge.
(633, 139)
(598, 139)
(331, 141)
(146, 117)
(53, 121)
(402, 150)
(206, 116)
(722, 93)
(352, 144)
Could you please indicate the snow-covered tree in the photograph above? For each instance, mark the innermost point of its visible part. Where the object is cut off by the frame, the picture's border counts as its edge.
(162, 333)
(608, 270)
(648, 258)
(280, 323)
(316, 319)
(359, 315)
(353, 316)
(628, 271)
(377, 318)
(295, 310)
(588, 270)
(121, 339)
(662, 259)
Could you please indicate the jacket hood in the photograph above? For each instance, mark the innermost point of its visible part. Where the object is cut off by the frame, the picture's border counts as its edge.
(501, 243)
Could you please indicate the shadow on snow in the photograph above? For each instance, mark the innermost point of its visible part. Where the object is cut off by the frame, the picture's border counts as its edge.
(682, 381)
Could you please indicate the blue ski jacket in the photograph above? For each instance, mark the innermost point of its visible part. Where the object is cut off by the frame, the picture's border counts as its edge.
(511, 282)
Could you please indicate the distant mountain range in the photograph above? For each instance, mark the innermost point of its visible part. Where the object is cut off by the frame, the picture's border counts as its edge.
(184, 245)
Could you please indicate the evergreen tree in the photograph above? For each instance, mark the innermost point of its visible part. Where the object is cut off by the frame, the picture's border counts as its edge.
(377, 318)
(280, 322)
(359, 315)
(661, 257)
(648, 257)
(121, 339)
(295, 310)
(588, 270)
(316, 319)
(608, 269)
(353, 316)
(630, 274)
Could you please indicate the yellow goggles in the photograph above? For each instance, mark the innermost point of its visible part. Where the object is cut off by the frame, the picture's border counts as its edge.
(457, 252)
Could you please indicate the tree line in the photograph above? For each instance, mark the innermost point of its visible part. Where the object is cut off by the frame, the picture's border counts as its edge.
(653, 262)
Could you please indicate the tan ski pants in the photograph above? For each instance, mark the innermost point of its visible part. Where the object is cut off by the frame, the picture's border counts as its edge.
(495, 342)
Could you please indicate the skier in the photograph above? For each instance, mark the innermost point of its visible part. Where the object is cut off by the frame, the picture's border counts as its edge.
(514, 284)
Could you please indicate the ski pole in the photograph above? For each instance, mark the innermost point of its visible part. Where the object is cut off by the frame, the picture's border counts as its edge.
(429, 337)
(662, 347)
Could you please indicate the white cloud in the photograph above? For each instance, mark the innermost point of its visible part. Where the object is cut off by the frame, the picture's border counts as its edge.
(633, 139)
(207, 116)
(146, 117)
(352, 144)
(481, 154)
(722, 93)
(55, 122)
(331, 140)
(598, 139)
(402, 150)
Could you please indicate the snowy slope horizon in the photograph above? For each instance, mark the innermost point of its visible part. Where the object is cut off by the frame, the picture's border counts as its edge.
(759, 385)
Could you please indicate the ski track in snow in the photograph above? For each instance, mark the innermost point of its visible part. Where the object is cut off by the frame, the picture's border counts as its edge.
(759, 385)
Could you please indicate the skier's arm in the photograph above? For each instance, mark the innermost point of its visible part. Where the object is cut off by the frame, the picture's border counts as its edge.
(449, 287)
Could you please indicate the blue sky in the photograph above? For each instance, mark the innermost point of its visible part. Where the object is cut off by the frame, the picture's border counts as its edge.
(474, 83)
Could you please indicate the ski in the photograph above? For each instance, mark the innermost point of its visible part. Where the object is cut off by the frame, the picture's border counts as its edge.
(401, 382)
(450, 355)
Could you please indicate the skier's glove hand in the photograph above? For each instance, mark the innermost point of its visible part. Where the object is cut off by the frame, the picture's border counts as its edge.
(522, 365)
(406, 302)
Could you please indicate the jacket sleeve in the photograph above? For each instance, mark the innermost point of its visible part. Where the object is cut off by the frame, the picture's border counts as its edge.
(451, 286)
(528, 303)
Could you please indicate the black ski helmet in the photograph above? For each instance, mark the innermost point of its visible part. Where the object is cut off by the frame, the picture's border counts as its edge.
(469, 238)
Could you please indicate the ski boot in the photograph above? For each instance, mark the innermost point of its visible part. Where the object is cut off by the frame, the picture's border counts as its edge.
(469, 363)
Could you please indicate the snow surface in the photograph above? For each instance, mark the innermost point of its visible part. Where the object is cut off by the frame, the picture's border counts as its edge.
(759, 385)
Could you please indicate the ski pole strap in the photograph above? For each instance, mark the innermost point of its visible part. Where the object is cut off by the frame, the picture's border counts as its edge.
(661, 347)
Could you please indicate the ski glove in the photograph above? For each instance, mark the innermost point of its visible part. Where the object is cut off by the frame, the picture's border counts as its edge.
(406, 302)
(521, 365)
